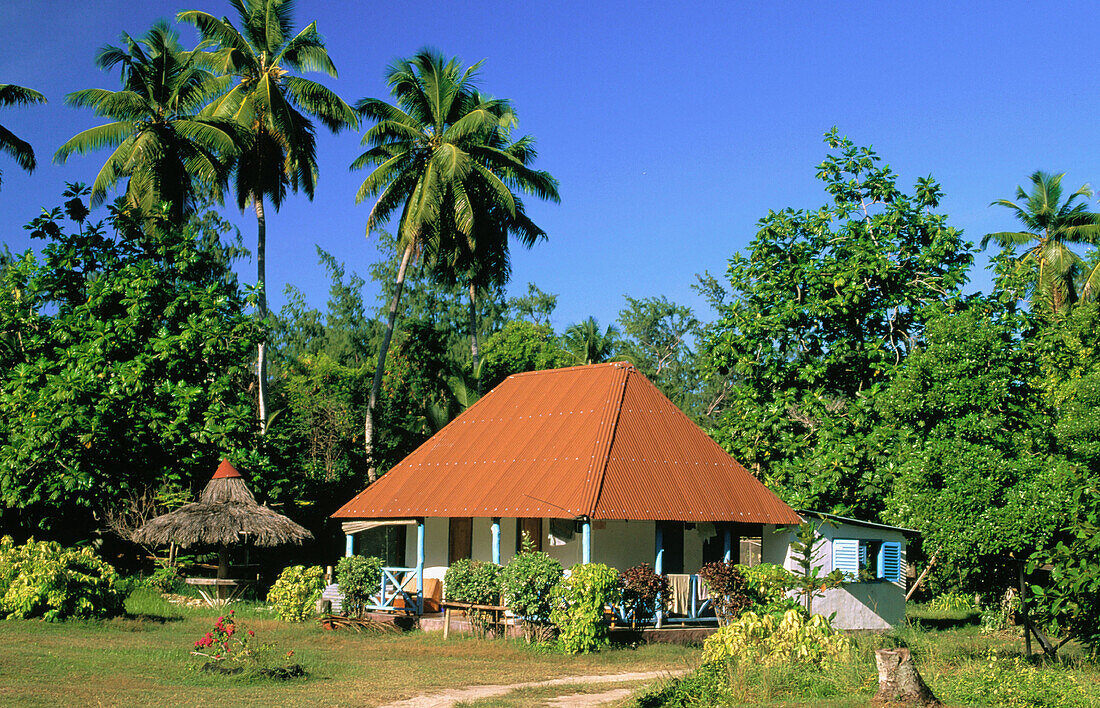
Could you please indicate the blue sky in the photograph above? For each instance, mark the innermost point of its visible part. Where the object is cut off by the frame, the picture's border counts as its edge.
(672, 127)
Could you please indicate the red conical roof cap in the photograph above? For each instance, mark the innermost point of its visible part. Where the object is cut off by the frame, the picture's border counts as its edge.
(226, 470)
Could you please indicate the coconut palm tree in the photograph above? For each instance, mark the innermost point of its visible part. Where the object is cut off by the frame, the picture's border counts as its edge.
(20, 150)
(1051, 226)
(165, 150)
(272, 105)
(442, 161)
(590, 346)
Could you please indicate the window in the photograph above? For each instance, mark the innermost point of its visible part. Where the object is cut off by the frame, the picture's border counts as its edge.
(867, 560)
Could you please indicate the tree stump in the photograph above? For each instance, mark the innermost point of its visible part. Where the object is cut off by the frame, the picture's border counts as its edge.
(899, 682)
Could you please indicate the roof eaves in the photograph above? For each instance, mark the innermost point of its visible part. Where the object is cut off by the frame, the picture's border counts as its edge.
(857, 522)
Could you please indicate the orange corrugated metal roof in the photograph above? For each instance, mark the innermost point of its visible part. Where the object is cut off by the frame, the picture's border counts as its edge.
(598, 441)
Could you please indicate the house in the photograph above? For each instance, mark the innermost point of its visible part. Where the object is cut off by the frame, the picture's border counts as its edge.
(872, 557)
(590, 464)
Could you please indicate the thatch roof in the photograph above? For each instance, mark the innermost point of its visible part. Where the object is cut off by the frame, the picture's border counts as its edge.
(226, 513)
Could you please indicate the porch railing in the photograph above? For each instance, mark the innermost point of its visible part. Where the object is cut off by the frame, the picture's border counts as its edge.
(393, 584)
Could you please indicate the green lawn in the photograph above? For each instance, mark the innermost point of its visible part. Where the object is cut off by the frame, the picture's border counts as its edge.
(145, 658)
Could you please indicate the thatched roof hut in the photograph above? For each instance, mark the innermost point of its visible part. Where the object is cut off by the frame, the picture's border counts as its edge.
(226, 514)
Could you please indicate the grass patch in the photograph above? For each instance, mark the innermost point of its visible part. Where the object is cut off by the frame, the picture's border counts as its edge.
(144, 658)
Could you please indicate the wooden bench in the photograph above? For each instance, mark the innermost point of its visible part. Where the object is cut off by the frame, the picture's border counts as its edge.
(496, 613)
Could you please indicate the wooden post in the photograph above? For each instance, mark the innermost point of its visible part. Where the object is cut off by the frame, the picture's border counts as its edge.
(727, 543)
(349, 546)
(586, 541)
(446, 623)
(223, 569)
(1023, 606)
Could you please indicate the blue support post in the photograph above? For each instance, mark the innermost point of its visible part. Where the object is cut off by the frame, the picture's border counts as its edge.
(349, 546)
(728, 538)
(420, 566)
(659, 568)
(495, 529)
(586, 541)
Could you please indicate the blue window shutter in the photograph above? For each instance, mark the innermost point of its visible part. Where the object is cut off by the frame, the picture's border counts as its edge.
(889, 561)
(846, 557)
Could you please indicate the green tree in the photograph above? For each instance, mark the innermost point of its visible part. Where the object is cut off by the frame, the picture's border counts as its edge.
(441, 160)
(165, 150)
(1051, 226)
(521, 346)
(19, 150)
(123, 369)
(657, 338)
(272, 106)
(974, 471)
(588, 345)
(824, 308)
(536, 306)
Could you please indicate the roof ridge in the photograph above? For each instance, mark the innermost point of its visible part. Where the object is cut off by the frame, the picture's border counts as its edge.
(591, 496)
(603, 364)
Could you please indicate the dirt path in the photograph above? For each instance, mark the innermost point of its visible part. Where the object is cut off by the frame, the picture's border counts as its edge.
(589, 700)
(448, 698)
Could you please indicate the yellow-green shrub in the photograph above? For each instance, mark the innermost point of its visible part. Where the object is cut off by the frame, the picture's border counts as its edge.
(769, 641)
(296, 592)
(578, 603)
(44, 579)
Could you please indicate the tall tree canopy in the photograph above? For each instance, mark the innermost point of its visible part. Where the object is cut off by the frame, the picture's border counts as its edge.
(1051, 227)
(19, 150)
(824, 307)
(273, 107)
(123, 366)
(165, 150)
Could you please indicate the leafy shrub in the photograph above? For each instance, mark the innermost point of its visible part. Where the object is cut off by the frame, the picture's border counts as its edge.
(43, 579)
(165, 579)
(475, 582)
(706, 686)
(640, 588)
(578, 603)
(768, 581)
(768, 641)
(296, 591)
(729, 590)
(1000, 681)
(527, 582)
(952, 602)
(359, 578)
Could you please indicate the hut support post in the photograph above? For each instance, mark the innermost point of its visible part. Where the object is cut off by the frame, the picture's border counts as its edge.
(223, 569)
(659, 568)
(495, 530)
(349, 545)
(420, 566)
(586, 541)
(727, 544)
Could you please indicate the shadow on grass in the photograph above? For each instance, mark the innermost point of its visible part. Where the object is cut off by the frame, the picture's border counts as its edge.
(939, 621)
(149, 617)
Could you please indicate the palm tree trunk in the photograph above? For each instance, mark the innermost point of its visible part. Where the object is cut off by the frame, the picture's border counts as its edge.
(376, 387)
(261, 309)
(473, 336)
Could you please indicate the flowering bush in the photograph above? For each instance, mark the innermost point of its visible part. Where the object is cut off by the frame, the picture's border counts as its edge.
(768, 641)
(44, 579)
(296, 592)
(228, 642)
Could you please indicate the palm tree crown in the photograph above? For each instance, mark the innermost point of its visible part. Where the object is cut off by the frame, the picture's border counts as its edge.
(267, 99)
(590, 346)
(163, 147)
(1051, 226)
(20, 150)
(271, 106)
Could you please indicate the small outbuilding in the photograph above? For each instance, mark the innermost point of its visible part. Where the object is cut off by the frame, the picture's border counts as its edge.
(872, 557)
